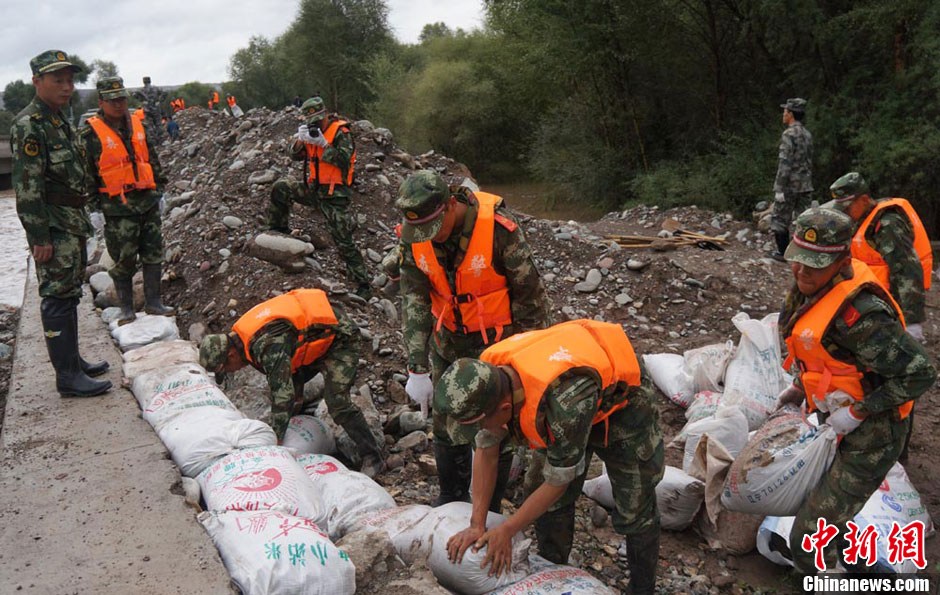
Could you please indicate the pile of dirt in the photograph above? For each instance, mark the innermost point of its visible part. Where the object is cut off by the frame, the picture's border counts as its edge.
(669, 301)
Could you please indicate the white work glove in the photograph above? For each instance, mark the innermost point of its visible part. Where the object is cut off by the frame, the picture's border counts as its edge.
(420, 389)
(317, 138)
(778, 196)
(917, 331)
(843, 421)
(303, 134)
(791, 395)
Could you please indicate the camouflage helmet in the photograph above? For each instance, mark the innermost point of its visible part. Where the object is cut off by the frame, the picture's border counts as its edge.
(50, 61)
(795, 105)
(422, 199)
(821, 237)
(467, 389)
(313, 110)
(213, 351)
(111, 87)
(846, 189)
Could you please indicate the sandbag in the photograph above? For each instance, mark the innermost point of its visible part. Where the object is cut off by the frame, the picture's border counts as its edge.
(707, 365)
(678, 497)
(703, 406)
(307, 434)
(755, 375)
(728, 426)
(146, 329)
(159, 356)
(779, 466)
(272, 553)
(671, 376)
(344, 496)
(181, 389)
(400, 524)
(266, 478)
(198, 438)
(547, 578)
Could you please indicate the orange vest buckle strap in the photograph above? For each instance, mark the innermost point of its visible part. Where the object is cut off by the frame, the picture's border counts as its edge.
(118, 172)
(863, 251)
(540, 357)
(308, 310)
(322, 173)
(821, 373)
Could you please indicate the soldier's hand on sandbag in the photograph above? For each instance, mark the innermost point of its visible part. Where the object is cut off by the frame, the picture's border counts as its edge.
(791, 395)
(459, 542)
(844, 420)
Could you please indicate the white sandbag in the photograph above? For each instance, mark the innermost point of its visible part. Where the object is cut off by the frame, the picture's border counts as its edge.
(266, 478)
(547, 578)
(671, 376)
(159, 356)
(146, 329)
(198, 438)
(707, 365)
(271, 553)
(307, 434)
(703, 406)
(779, 466)
(344, 496)
(182, 389)
(400, 524)
(237, 111)
(678, 496)
(728, 426)
(755, 375)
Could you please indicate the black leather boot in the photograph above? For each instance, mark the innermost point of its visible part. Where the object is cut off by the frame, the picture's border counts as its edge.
(453, 471)
(91, 369)
(152, 303)
(643, 558)
(782, 240)
(124, 288)
(554, 531)
(60, 323)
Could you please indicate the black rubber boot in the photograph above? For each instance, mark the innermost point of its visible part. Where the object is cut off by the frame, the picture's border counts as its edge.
(502, 480)
(60, 323)
(782, 240)
(90, 369)
(643, 558)
(554, 531)
(152, 303)
(125, 294)
(453, 471)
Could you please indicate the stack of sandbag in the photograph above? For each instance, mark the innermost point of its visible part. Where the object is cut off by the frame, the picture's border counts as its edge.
(344, 496)
(895, 501)
(146, 329)
(547, 578)
(682, 377)
(727, 425)
(707, 365)
(157, 356)
(678, 497)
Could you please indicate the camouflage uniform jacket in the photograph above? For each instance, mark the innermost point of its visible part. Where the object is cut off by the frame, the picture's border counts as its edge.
(795, 160)
(339, 153)
(138, 201)
(272, 349)
(892, 237)
(512, 258)
(866, 333)
(47, 159)
(566, 412)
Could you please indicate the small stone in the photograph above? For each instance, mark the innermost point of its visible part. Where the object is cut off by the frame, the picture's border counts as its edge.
(223, 268)
(236, 165)
(591, 282)
(623, 299)
(209, 307)
(605, 263)
(225, 252)
(427, 464)
(205, 266)
(636, 265)
(395, 462)
(599, 516)
(231, 222)
(723, 580)
(411, 421)
(417, 440)
(564, 236)
(5, 351)
(197, 331)
(373, 167)
(373, 256)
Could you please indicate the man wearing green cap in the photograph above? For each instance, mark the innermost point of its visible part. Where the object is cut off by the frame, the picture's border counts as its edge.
(845, 336)
(467, 280)
(793, 186)
(290, 339)
(49, 178)
(325, 145)
(567, 392)
(127, 179)
(152, 98)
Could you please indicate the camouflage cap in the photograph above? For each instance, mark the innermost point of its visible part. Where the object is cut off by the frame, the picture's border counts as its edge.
(313, 110)
(847, 188)
(50, 61)
(422, 199)
(213, 351)
(111, 87)
(467, 389)
(821, 237)
(794, 104)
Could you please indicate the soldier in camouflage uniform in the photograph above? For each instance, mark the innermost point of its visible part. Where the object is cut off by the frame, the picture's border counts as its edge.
(494, 399)
(446, 217)
(327, 168)
(153, 98)
(49, 180)
(793, 186)
(132, 215)
(862, 333)
(272, 349)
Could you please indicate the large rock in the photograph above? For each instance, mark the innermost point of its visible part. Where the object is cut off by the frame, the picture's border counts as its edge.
(372, 552)
(283, 251)
(262, 177)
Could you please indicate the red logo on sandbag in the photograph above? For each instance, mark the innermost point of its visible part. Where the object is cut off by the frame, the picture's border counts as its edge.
(322, 468)
(258, 481)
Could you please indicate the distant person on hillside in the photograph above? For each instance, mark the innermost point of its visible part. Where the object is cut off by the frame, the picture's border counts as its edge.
(325, 145)
(49, 178)
(173, 129)
(298, 101)
(793, 186)
(152, 98)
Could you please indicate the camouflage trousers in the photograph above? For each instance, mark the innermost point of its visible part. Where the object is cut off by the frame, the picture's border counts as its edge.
(128, 237)
(786, 210)
(156, 126)
(862, 461)
(334, 209)
(63, 275)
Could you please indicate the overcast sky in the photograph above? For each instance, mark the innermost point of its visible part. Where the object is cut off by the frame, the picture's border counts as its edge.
(177, 41)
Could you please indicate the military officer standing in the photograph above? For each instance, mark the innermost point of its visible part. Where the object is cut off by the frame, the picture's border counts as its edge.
(127, 179)
(793, 185)
(49, 179)
(153, 98)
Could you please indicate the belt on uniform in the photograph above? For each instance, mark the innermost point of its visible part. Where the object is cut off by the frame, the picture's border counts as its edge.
(65, 200)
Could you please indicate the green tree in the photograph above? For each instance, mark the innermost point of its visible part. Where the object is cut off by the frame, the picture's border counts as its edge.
(103, 69)
(16, 95)
(6, 121)
(259, 73)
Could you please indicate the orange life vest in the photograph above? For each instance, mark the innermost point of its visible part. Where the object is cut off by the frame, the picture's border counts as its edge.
(115, 167)
(539, 357)
(863, 251)
(215, 97)
(231, 100)
(308, 310)
(480, 295)
(820, 373)
(322, 172)
(139, 114)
